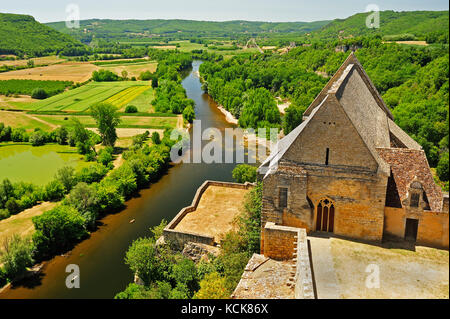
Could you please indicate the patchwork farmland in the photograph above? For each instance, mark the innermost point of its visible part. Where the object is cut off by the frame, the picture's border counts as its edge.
(80, 99)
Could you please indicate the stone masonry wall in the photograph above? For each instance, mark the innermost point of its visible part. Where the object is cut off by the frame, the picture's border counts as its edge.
(280, 241)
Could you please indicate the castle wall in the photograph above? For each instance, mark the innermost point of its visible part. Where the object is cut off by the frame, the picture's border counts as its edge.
(432, 229)
(358, 200)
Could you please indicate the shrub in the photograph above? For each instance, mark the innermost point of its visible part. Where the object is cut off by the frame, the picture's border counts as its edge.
(13, 206)
(212, 287)
(104, 76)
(131, 109)
(19, 135)
(105, 156)
(189, 114)
(155, 138)
(39, 93)
(38, 138)
(244, 173)
(108, 197)
(54, 190)
(16, 256)
(66, 176)
(4, 213)
(92, 173)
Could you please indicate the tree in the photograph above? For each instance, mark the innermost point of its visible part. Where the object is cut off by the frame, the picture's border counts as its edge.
(57, 230)
(54, 190)
(244, 173)
(443, 167)
(39, 93)
(61, 135)
(104, 76)
(124, 74)
(212, 287)
(142, 259)
(66, 176)
(189, 114)
(81, 137)
(131, 109)
(155, 138)
(107, 120)
(17, 255)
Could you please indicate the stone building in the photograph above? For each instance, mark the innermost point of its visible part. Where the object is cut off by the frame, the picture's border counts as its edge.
(348, 169)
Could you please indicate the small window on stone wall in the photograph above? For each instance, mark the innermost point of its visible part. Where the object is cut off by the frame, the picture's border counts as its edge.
(414, 202)
(283, 197)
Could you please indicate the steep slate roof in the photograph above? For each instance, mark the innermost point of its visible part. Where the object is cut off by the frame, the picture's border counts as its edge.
(400, 137)
(408, 165)
(351, 59)
(270, 164)
(352, 90)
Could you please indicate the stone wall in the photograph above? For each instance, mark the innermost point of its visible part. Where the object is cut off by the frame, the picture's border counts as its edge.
(290, 243)
(358, 197)
(432, 230)
(180, 238)
(280, 242)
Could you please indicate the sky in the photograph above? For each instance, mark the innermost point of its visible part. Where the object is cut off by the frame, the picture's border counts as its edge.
(212, 10)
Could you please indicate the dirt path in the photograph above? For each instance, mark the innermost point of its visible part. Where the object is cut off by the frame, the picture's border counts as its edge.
(53, 126)
(21, 223)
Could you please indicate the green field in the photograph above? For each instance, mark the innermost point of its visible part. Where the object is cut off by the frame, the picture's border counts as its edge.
(80, 99)
(38, 165)
(126, 121)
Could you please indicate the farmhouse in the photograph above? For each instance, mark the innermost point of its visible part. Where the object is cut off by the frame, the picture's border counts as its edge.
(348, 169)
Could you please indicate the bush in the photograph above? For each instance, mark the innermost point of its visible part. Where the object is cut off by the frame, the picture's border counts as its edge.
(189, 114)
(105, 156)
(104, 76)
(4, 213)
(57, 230)
(212, 287)
(39, 93)
(54, 190)
(92, 173)
(16, 256)
(19, 135)
(38, 138)
(66, 176)
(13, 206)
(155, 138)
(131, 109)
(244, 173)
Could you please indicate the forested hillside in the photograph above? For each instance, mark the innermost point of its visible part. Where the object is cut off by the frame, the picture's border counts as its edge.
(413, 81)
(180, 29)
(22, 35)
(431, 26)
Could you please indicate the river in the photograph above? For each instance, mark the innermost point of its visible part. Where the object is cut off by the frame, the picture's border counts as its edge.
(100, 258)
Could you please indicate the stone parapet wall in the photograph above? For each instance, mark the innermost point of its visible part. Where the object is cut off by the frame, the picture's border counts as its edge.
(280, 241)
(304, 288)
(291, 243)
(432, 230)
(180, 238)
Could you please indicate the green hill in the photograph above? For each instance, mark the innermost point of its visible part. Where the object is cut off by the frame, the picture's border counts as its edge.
(109, 29)
(405, 25)
(21, 34)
